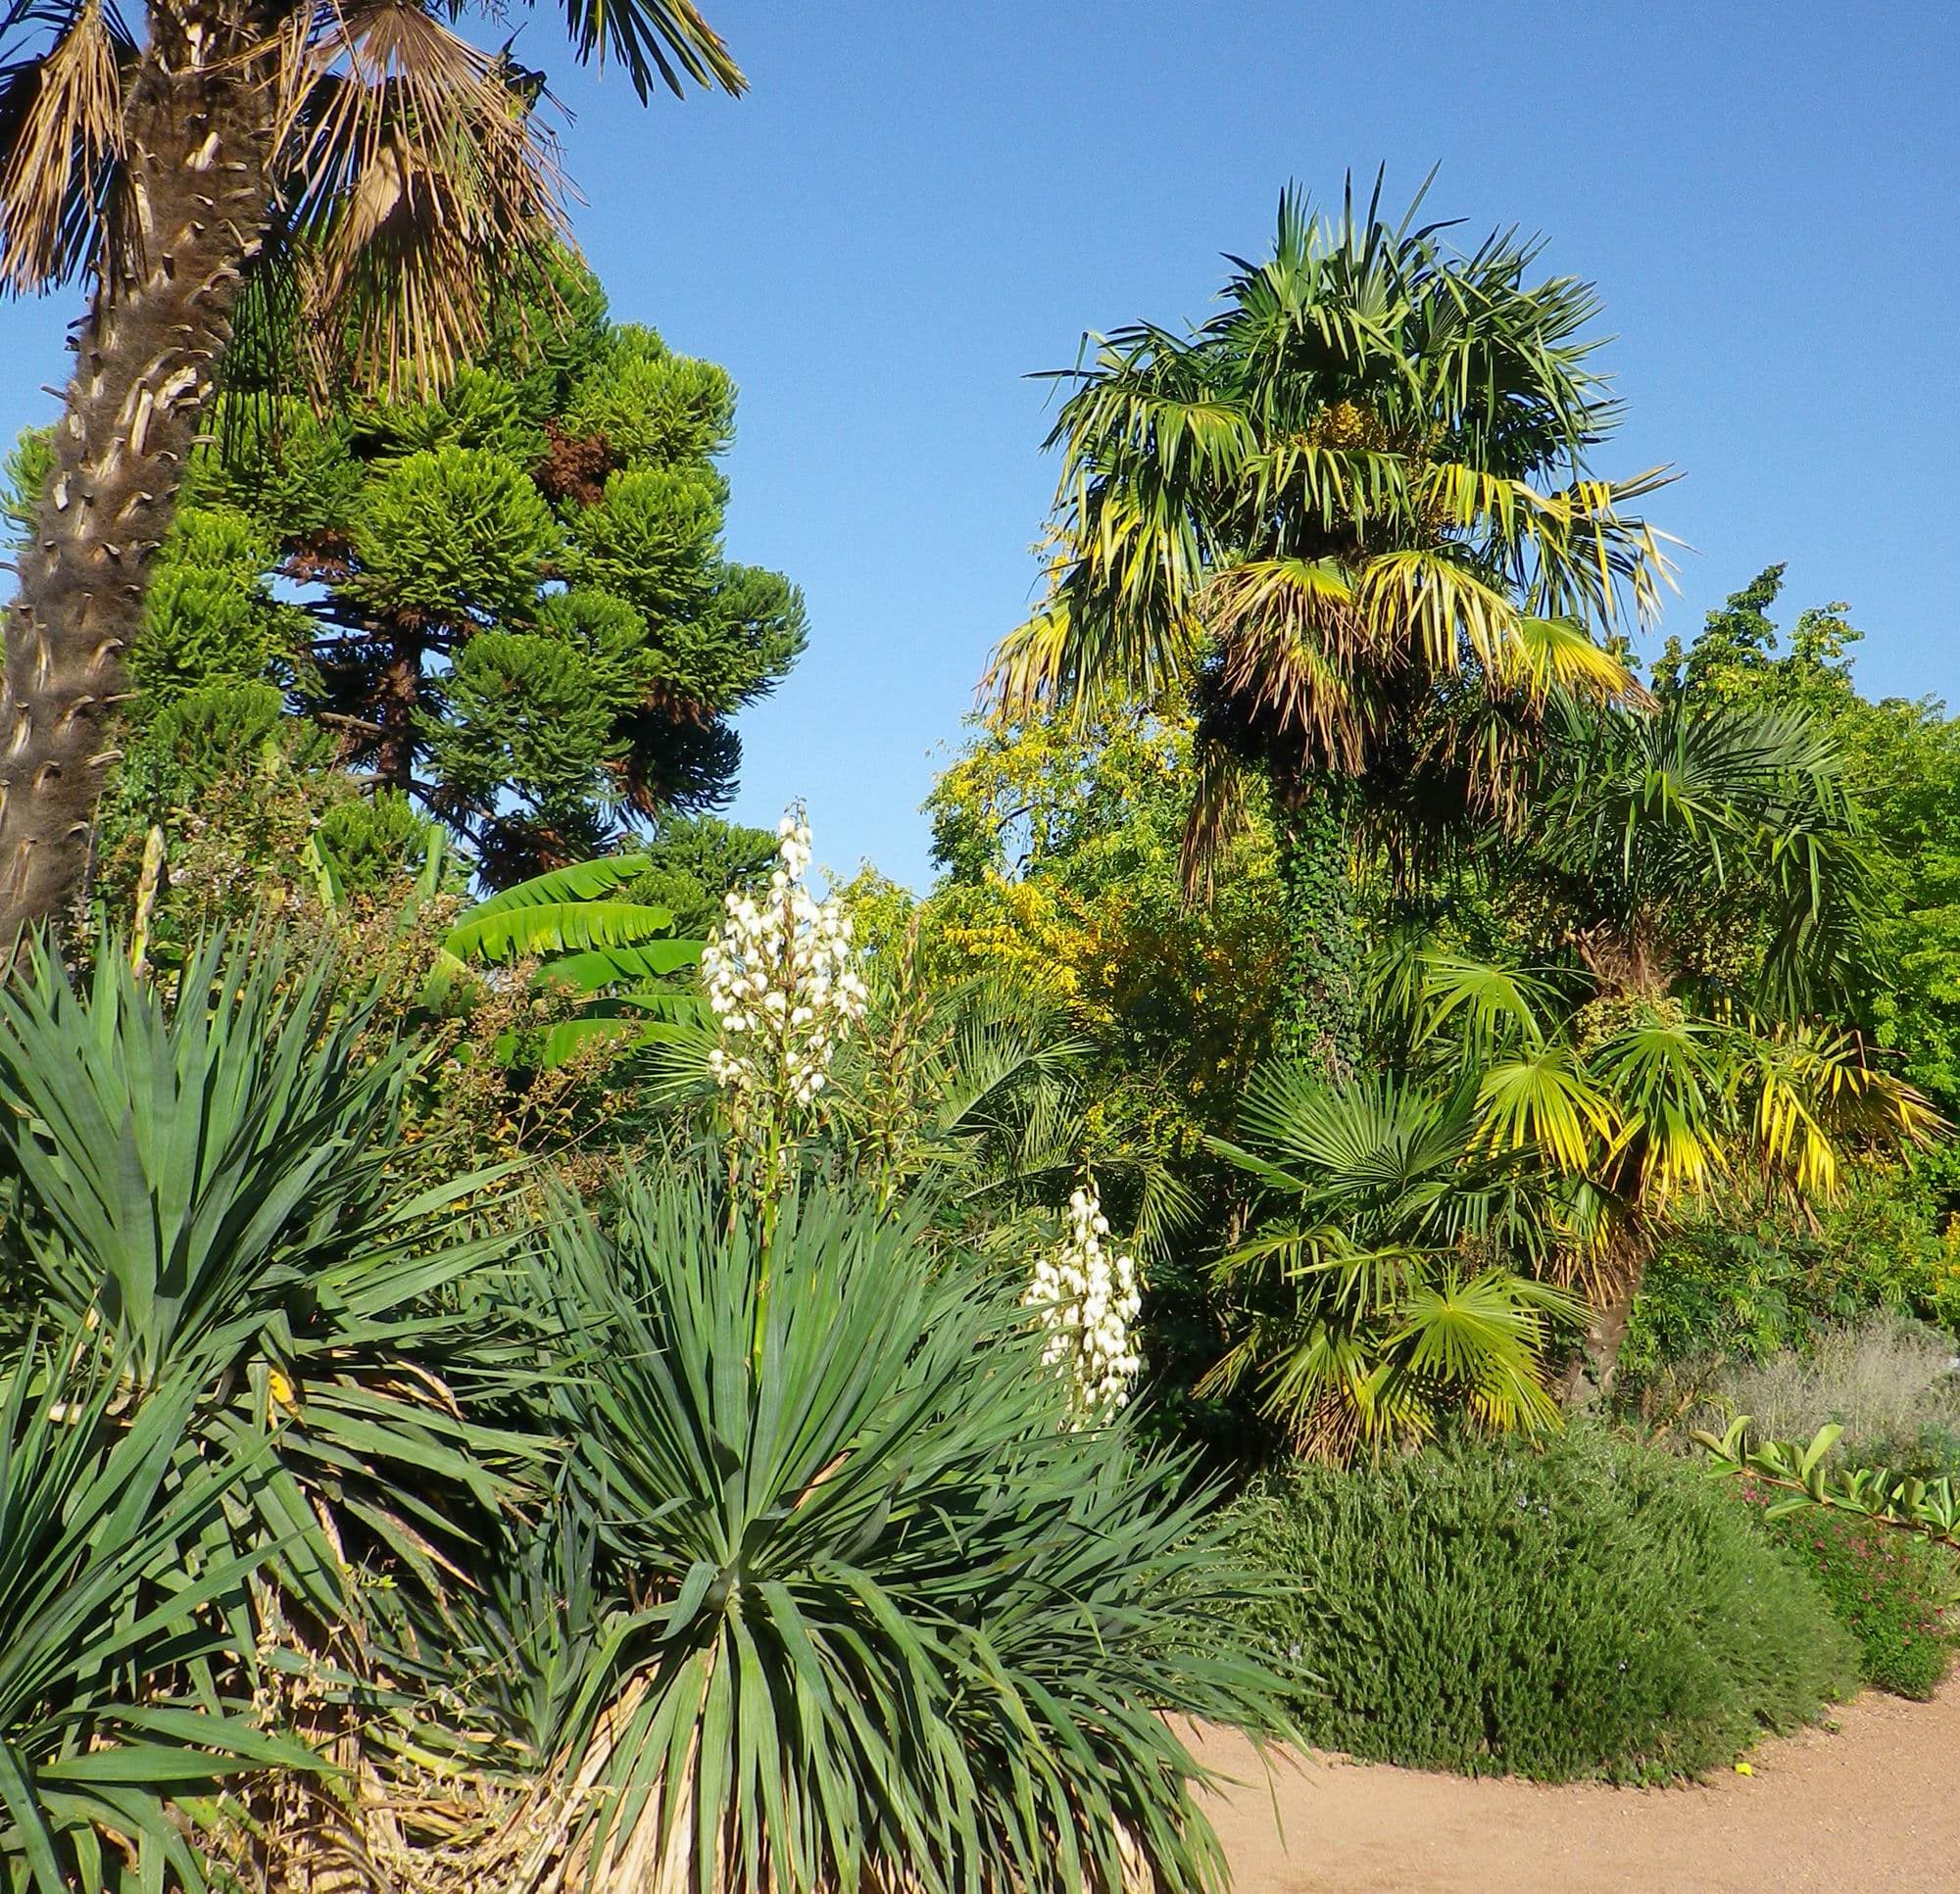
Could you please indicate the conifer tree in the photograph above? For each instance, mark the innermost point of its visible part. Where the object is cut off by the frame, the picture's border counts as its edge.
(509, 604)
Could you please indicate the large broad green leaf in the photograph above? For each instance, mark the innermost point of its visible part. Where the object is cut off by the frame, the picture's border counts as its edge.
(628, 1021)
(600, 967)
(580, 881)
(619, 955)
(548, 928)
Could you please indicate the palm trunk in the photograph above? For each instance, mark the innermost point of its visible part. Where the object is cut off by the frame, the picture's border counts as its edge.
(1628, 966)
(1319, 1019)
(191, 215)
(1589, 1377)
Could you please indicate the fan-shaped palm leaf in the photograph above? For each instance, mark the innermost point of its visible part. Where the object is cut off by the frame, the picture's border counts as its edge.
(1376, 1307)
(1544, 1102)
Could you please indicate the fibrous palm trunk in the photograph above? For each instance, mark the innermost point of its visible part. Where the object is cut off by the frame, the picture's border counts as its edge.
(1591, 1372)
(191, 215)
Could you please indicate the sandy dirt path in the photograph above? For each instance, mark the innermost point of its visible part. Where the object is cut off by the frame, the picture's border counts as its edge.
(1873, 1806)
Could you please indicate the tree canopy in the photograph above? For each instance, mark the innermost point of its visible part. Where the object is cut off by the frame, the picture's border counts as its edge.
(511, 603)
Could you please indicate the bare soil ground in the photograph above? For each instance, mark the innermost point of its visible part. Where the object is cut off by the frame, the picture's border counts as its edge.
(1872, 1804)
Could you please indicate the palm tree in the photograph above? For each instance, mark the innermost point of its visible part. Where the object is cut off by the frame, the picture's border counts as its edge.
(1353, 512)
(1682, 841)
(1694, 879)
(1406, 1280)
(364, 167)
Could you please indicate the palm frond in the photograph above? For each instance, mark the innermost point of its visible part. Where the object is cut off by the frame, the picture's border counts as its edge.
(1488, 1335)
(1815, 1101)
(1544, 1102)
(1665, 1079)
(419, 183)
(62, 133)
(1493, 1006)
(1294, 641)
(663, 39)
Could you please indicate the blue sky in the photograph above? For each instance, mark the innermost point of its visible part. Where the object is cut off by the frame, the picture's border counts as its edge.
(916, 205)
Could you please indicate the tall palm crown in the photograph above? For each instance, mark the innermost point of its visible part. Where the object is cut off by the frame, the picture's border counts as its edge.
(363, 165)
(1358, 490)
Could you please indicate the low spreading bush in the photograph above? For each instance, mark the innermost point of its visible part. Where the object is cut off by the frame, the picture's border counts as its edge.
(1890, 1589)
(1596, 1608)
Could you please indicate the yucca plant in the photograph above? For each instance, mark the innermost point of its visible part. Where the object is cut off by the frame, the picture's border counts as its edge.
(202, 1179)
(1400, 1283)
(115, 1722)
(591, 940)
(203, 1192)
(865, 1615)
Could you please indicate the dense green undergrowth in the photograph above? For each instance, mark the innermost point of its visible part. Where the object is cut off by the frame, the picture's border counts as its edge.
(1595, 1610)
(1890, 1589)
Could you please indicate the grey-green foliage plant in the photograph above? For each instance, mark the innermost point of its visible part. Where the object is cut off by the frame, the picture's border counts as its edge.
(201, 1178)
(106, 1742)
(1794, 1475)
(865, 1615)
(1596, 1608)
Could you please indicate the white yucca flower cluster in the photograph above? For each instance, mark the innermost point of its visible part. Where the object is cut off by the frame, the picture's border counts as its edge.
(1086, 1298)
(781, 978)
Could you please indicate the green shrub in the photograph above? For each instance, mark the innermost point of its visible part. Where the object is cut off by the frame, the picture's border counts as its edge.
(1744, 1283)
(1889, 1589)
(1597, 1609)
(854, 1609)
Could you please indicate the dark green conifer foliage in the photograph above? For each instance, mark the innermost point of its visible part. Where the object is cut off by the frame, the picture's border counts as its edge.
(510, 605)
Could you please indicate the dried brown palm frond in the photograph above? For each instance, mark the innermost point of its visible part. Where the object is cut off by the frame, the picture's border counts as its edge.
(545, 1847)
(1221, 814)
(420, 180)
(1292, 642)
(60, 127)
